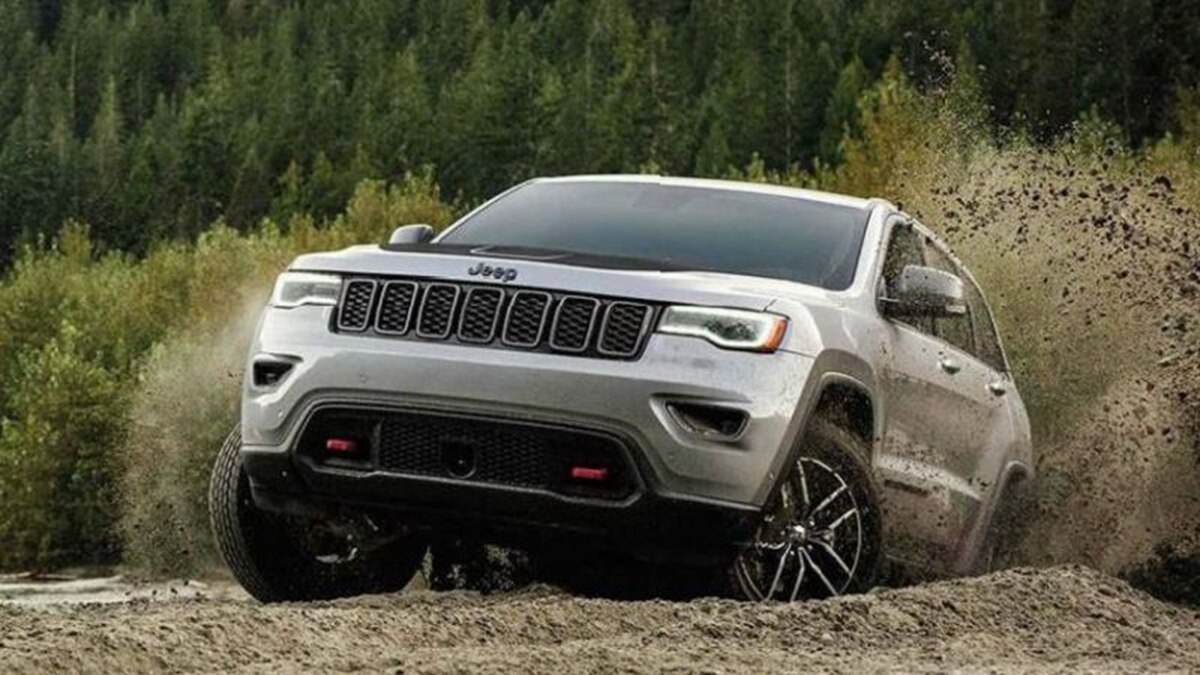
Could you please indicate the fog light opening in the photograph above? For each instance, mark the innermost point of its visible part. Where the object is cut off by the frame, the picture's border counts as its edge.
(268, 373)
(712, 421)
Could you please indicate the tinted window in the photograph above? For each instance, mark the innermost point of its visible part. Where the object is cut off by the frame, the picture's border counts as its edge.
(985, 328)
(680, 227)
(953, 329)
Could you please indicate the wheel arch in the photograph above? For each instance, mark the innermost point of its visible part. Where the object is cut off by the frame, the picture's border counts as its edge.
(837, 377)
(848, 402)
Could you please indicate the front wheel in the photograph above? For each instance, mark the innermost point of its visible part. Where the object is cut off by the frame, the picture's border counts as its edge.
(822, 535)
(280, 558)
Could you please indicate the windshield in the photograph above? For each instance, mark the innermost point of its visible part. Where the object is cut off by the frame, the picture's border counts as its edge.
(680, 227)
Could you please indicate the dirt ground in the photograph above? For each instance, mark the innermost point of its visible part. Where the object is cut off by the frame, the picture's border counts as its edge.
(1060, 619)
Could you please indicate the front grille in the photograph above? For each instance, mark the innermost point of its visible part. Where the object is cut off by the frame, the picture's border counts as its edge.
(479, 450)
(496, 316)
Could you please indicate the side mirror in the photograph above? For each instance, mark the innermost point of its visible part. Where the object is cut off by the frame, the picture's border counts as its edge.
(925, 291)
(411, 234)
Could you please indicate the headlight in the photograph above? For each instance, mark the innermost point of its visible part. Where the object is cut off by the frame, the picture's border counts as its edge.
(728, 328)
(293, 289)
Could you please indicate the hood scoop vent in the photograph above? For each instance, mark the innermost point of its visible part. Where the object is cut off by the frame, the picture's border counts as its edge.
(519, 253)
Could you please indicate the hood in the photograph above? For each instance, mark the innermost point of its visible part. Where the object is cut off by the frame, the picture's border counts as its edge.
(560, 272)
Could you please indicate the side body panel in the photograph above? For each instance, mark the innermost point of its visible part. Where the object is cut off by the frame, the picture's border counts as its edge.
(954, 428)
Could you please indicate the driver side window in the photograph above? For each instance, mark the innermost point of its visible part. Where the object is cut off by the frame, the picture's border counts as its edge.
(906, 247)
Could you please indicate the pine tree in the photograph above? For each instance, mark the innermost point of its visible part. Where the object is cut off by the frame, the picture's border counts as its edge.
(841, 112)
(27, 174)
(105, 171)
(250, 198)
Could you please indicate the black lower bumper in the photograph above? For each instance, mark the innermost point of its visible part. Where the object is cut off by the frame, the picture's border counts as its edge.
(645, 524)
(492, 479)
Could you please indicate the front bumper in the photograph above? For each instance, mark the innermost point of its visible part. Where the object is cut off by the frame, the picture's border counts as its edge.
(627, 399)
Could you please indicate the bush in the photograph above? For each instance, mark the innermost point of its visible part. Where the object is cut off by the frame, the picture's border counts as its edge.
(124, 373)
(56, 480)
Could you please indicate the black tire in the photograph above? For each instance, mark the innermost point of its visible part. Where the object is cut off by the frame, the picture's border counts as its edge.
(824, 548)
(271, 557)
(1006, 529)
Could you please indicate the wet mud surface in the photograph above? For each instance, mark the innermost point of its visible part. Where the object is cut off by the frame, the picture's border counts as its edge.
(1060, 619)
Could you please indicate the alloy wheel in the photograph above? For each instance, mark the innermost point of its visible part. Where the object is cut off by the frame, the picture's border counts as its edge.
(811, 544)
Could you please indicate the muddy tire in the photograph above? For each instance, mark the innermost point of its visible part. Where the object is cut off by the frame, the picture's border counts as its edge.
(272, 557)
(823, 533)
(1005, 529)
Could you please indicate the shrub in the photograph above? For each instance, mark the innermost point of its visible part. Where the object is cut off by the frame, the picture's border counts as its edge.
(124, 373)
(65, 413)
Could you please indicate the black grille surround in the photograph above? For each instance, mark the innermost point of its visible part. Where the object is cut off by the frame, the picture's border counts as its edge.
(496, 316)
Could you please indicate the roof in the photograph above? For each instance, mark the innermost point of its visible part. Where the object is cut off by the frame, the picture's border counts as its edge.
(712, 184)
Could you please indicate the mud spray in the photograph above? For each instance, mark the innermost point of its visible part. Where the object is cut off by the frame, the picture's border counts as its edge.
(1092, 265)
(186, 403)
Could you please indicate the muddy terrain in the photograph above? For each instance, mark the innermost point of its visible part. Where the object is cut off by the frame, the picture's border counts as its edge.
(1061, 619)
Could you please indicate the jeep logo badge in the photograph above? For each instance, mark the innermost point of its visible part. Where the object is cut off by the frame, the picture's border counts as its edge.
(501, 273)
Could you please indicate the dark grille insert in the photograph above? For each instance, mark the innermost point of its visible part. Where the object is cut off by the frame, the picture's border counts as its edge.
(437, 311)
(623, 326)
(481, 314)
(572, 327)
(396, 307)
(515, 454)
(526, 318)
(355, 308)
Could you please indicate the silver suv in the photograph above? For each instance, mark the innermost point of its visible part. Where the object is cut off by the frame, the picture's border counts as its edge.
(782, 388)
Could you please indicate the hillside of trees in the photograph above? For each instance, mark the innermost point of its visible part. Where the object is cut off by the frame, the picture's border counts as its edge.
(152, 119)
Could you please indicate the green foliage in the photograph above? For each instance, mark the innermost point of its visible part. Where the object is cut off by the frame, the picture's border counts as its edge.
(56, 476)
(122, 372)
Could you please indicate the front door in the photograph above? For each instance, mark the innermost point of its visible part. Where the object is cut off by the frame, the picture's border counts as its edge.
(941, 416)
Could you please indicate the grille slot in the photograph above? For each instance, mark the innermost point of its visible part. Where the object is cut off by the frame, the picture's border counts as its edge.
(573, 321)
(437, 311)
(526, 318)
(355, 308)
(396, 307)
(623, 327)
(481, 314)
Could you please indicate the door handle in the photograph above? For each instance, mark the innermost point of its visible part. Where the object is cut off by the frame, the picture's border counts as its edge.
(997, 388)
(949, 365)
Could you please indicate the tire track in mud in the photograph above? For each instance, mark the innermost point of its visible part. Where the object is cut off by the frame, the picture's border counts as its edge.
(1063, 619)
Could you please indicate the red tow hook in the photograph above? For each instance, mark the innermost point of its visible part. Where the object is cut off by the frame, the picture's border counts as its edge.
(341, 446)
(590, 473)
